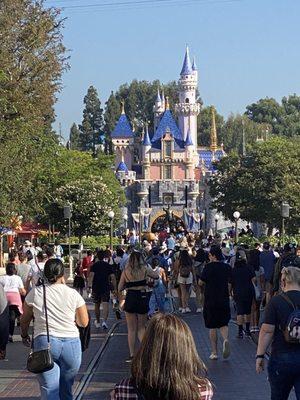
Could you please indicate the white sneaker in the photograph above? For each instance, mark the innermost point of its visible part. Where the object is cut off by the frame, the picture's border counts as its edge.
(104, 325)
(226, 349)
(183, 310)
(213, 356)
(199, 310)
(97, 324)
(180, 309)
(188, 309)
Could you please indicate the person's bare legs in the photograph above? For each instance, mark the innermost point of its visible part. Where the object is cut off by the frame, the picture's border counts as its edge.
(213, 336)
(141, 325)
(179, 297)
(97, 311)
(132, 326)
(226, 346)
(183, 295)
(105, 310)
(187, 294)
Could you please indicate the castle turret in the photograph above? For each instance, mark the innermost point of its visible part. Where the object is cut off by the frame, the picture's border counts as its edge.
(158, 109)
(122, 139)
(146, 154)
(190, 156)
(188, 108)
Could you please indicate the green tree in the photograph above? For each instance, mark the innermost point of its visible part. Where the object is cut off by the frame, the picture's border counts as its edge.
(32, 60)
(74, 137)
(91, 200)
(231, 133)
(257, 184)
(92, 122)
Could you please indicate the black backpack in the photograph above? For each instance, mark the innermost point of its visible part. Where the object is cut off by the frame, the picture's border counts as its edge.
(291, 332)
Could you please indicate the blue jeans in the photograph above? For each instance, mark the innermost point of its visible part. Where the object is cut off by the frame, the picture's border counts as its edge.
(157, 299)
(57, 383)
(284, 374)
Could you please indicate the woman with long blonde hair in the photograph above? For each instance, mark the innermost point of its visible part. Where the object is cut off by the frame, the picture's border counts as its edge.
(134, 280)
(167, 365)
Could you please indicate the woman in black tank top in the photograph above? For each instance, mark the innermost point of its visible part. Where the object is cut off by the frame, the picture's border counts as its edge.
(136, 307)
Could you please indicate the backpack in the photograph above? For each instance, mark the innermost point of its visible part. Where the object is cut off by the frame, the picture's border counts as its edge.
(185, 270)
(291, 332)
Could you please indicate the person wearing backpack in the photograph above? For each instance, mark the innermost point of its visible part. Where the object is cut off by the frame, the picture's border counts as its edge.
(281, 329)
(183, 269)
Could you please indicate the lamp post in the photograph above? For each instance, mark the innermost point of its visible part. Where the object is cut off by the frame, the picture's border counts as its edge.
(111, 215)
(217, 217)
(236, 216)
(285, 213)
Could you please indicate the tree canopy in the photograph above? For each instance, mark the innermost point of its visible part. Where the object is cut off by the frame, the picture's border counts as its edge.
(257, 184)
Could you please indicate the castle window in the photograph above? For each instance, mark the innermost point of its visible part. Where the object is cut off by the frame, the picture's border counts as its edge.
(168, 148)
(187, 100)
(167, 172)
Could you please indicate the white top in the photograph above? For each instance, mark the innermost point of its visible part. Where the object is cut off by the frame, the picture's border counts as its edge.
(62, 302)
(35, 273)
(11, 283)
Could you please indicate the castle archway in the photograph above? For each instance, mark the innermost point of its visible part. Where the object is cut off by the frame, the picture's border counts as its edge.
(159, 221)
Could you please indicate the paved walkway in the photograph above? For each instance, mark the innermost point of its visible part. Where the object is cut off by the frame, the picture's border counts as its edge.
(17, 383)
(232, 379)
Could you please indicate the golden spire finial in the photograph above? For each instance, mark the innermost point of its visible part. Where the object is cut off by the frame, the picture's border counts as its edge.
(123, 106)
(167, 106)
(213, 131)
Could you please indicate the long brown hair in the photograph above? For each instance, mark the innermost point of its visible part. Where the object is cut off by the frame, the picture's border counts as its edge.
(136, 263)
(167, 365)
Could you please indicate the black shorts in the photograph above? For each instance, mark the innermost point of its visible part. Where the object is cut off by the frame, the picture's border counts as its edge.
(101, 297)
(216, 316)
(136, 302)
(243, 307)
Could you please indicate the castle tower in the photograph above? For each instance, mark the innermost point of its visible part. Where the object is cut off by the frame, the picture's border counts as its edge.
(190, 157)
(188, 108)
(158, 108)
(122, 140)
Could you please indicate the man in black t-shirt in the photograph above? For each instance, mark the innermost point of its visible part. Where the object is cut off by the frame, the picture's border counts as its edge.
(101, 278)
(216, 278)
(284, 363)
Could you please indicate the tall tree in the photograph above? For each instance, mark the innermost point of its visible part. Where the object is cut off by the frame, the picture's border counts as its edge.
(74, 137)
(257, 184)
(92, 122)
(32, 60)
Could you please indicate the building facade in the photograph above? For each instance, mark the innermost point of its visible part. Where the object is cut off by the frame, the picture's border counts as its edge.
(169, 176)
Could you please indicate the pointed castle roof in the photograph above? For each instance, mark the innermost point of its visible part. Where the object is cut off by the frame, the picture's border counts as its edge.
(158, 98)
(189, 141)
(122, 167)
(194, 66)
(187, 68)
(146, 141)
(123, 128)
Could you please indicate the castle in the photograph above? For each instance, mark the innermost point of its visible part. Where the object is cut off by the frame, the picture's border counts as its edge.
(166, 172)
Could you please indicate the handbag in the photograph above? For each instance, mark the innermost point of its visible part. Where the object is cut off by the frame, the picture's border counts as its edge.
(40, 361)
(85, 335)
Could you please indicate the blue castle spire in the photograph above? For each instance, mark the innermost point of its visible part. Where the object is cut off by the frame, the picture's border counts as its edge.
(194, 66)
(187, 65)
(122, 167)
(146, 141)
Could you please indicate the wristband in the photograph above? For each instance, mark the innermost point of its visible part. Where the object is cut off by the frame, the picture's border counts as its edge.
(259, 356)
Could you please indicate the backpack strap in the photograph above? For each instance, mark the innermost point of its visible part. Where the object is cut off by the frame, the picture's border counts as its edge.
(288, 300)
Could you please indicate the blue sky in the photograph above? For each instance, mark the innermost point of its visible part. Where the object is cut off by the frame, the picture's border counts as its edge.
(245, 49)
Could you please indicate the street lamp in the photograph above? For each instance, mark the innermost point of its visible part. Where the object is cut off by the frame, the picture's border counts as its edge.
(111, 215)
(125, 217)
(217, 217)
(236, 216)
(285, 213)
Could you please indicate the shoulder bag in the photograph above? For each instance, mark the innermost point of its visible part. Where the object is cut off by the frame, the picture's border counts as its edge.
(40, 361)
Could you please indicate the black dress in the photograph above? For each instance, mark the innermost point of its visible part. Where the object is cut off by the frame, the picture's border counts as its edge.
(216, 310)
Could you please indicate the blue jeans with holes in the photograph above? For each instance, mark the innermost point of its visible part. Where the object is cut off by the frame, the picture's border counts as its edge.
(157, 299)
(57, 383)
(284, 374)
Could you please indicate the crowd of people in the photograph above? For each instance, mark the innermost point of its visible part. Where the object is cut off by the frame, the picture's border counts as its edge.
(152, 284)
